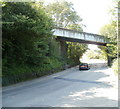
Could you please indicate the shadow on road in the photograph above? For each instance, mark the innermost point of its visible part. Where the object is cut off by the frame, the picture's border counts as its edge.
(87, 94)
(67, 89)
(83, 81)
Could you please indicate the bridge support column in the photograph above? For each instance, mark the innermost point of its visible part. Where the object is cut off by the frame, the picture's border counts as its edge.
(63, 49)
(109, 59)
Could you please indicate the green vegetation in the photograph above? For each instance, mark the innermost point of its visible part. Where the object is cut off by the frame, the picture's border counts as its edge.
(110, 31)
(115, 66)
(75, 52)
(28, 46)
(95, 54)
(65, 16)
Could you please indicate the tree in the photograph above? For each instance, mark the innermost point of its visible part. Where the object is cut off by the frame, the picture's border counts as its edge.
(26, 33)
(75, 51)
(63, 14)
(110, 31)
(94, 54)
(111, 50)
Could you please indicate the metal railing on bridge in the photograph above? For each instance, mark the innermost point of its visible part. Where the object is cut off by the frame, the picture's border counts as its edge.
(82, 37)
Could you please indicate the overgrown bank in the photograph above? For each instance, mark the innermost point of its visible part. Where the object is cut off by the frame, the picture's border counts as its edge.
(115, 66)
(25, 72)
(29, 49)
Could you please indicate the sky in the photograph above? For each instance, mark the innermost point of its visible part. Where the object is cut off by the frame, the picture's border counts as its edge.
(95, 14)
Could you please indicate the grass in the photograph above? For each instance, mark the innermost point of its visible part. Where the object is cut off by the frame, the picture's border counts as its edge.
(21, 73)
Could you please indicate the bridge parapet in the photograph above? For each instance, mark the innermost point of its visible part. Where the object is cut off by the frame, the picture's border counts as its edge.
(67, 33)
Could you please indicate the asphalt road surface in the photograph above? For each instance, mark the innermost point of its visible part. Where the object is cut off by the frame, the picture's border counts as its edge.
(96, 87)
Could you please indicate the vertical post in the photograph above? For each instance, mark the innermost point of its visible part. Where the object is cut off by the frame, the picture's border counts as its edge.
(108, 57)
(63, 48)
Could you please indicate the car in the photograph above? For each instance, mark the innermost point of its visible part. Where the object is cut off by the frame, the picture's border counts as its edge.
(84, 66)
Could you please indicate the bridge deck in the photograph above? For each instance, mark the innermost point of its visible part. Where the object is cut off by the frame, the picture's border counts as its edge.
(81, 37)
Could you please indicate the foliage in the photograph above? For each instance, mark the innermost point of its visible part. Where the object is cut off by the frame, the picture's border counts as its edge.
(54, 48)
(28, 47)
(63, 14)
(76, 27)
(115, 65)
(24, 72)
(111, 50)
(75, 51)
(110, 31)
(25, 32)
(95, 54)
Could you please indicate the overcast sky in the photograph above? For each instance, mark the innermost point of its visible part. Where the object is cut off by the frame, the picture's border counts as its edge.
(95, 13)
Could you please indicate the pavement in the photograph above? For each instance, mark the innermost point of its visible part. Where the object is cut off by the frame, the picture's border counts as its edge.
(97, 87)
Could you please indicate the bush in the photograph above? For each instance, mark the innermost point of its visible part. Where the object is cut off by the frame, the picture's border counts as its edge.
(24, 72)
(115, 66)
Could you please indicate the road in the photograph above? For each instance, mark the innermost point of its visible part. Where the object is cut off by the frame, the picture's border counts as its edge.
(96, 87)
